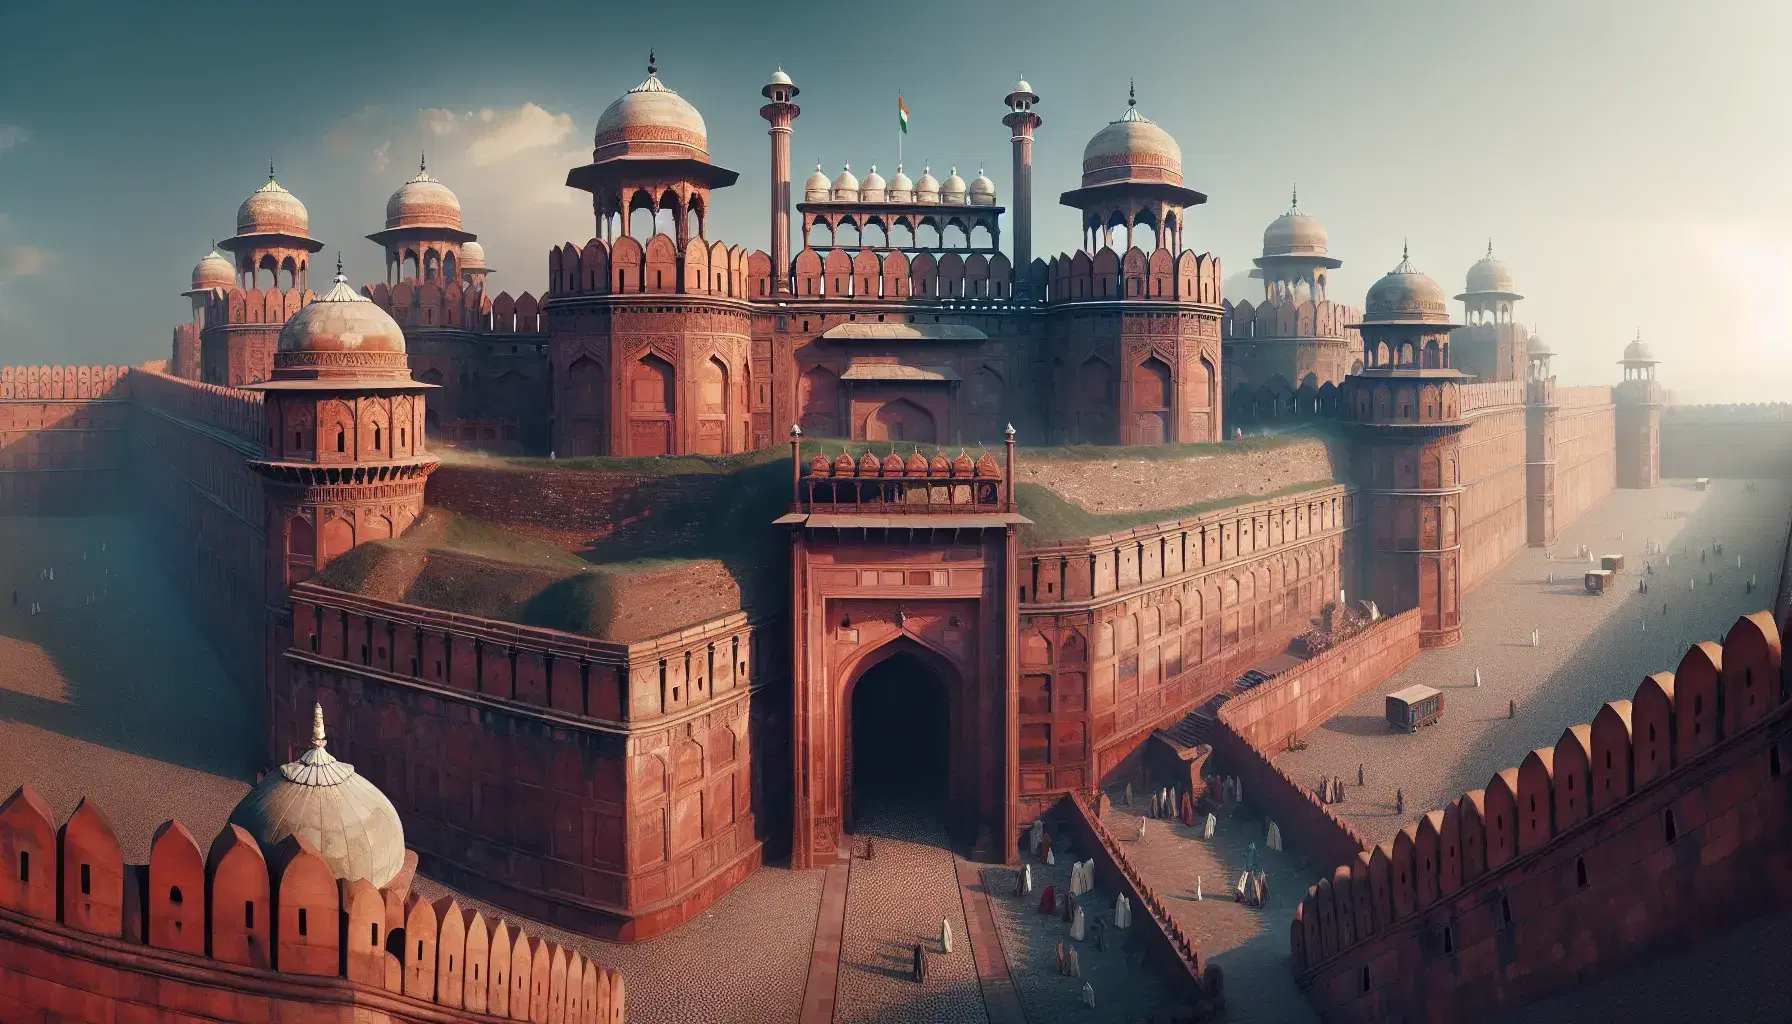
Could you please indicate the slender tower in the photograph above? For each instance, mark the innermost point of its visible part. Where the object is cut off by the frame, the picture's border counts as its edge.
(1022, 122)
(1639, 399)
(780, 111)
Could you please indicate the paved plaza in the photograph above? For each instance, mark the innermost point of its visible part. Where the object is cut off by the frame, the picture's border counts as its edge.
(1593, 649)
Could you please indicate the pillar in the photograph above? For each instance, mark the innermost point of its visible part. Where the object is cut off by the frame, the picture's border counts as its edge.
(1540, 463)
(1022, 122)
(780, 112)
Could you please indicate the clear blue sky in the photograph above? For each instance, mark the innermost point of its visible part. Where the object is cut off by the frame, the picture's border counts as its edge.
(1629, 160)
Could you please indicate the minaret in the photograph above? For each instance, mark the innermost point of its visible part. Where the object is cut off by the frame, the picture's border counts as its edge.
(1022, 122)
(780, 111)
(1638, 418)
(1540, 447)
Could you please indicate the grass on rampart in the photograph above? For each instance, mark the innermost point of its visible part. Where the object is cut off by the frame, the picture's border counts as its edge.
(1055, 521)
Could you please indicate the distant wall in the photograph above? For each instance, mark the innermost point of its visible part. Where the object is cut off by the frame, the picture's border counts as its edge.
(1302, 698)
(1663, 822)
(1726, 440)
(1586, 450)
(64, 441)
(1492, 474)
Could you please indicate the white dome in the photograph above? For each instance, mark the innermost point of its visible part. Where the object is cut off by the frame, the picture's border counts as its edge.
(1021, 86)
(780, 78)
(1490, 275)
(927, 190)
(846, 187)
(341, 320)
(817, 188)
(1133, 148)
(901, 189)
(952, 190)
(871, 190)
(271, 210)
(472, 256)
(1538, 347)
(423, 202)
(214, 271)
(1404, 295)
(982, 190)
(651, 120)
(1294, 234)
(321, 800)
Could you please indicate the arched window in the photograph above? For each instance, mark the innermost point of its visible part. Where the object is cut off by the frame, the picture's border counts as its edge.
(341, 439)
(376, 437)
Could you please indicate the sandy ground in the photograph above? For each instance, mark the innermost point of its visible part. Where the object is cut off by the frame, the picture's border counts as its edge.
(1593, 649)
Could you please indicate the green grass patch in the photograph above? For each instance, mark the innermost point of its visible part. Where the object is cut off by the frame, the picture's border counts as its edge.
(1055, 520)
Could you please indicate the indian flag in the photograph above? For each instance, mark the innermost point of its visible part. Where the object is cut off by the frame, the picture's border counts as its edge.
(902, 112)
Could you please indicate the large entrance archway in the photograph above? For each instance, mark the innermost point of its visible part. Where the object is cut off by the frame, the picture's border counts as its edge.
(899, 745)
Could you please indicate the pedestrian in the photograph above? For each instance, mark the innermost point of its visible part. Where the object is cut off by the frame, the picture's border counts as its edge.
(1359, 767)
(1512, 709)
(1399, 802)
(1477, 686)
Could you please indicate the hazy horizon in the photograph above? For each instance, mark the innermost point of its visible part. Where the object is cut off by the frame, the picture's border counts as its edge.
(1627, 161)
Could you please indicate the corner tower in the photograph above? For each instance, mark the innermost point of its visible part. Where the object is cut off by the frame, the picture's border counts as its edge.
(1491, 343)
(1405, 407)
(272, 248)
(1639, 400)
(1540, 446)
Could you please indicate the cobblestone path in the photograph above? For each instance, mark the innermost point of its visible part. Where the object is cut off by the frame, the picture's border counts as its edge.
(897, 898)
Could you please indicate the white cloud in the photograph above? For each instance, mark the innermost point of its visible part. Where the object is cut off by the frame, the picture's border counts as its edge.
(12, 135)
(382, 155)
(352, 134)
(493, 136)
(23, 261)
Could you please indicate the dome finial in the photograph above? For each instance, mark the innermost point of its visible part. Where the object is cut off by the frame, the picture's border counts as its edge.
(652, 65)
(1294, 197)
(1490, 247)
(1405, 251)
(422, 161)
(317, 726)
(1132, 94)
(270, 168)
(339, 276)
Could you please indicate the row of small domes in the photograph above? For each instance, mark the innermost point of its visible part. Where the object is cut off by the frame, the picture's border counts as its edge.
(1296, 234)
(846, 188)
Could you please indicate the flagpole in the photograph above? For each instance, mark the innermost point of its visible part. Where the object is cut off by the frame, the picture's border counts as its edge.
(899, 133)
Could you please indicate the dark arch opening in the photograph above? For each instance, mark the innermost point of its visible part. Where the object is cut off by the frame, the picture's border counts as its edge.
(900, 745)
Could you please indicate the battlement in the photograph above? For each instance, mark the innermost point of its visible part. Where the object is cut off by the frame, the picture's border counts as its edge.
(428, 304)
(1604, 807)
(61, 383)
(1268, 320)
(866, 276)
(1490, 394)
(230, 409)
(1751, 412)
(226, 307)
(626, 267)
(894, 484)
(1108, 276)
(257, 918)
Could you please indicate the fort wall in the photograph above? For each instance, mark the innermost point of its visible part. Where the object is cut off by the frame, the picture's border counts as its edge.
(1281, 709)
(605, 787)
(1123, 633)
(246, 934)
(1726, 440)
(64, 439)
(1492, 477)
(1662, 822)
(1585, 450)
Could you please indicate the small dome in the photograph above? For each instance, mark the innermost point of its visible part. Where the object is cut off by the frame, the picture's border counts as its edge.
(1537, 347)
(953, 190)
(780, 78)
(916, 466)
(963, 466)
(817, 188)
(821, 465)
(893, 465)
(1133, 148)
(871, 190)
(1022, 86)
(987, 468)
(982, 190)
(1490, 275)
(1404, 295)
(423, 202)
(927, 190)
(472, 256)
(320, 799)
(844, 465)
(1638, 351)
(938, 466)
(901, 189)
(214, 271)
(1294, 234)
(271, 210)
(653, 121)
(341, 320)
(868, 465)
(846, 187)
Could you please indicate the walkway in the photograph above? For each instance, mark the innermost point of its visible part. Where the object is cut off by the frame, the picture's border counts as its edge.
(1594, 649)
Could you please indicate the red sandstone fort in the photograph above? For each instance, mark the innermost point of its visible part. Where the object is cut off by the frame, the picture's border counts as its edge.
(600, 690)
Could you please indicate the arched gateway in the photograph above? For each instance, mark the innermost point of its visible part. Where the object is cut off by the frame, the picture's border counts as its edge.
(904, 621)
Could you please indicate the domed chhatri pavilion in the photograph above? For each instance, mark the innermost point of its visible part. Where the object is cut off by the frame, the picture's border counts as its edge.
(321, 800)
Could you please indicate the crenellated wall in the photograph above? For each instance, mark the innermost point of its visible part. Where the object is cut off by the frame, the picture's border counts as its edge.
(603, 786)
(64, 439)
(1123, 633)
(1664, 821)
(243, 934)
